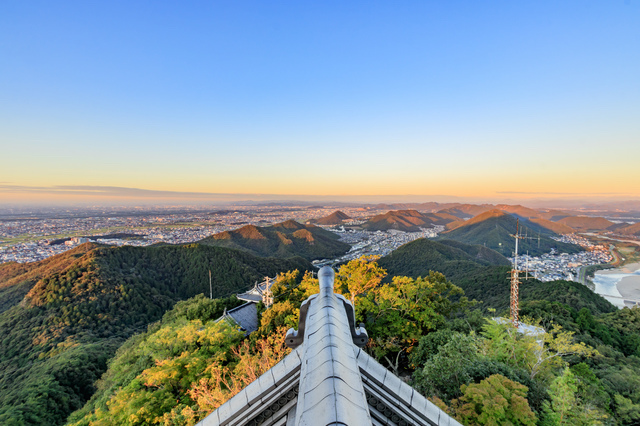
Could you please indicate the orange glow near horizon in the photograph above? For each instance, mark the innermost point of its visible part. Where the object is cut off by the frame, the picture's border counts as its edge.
(488, 191)
(470, 177)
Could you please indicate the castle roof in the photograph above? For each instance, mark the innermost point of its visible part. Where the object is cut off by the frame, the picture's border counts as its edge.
(328, 379)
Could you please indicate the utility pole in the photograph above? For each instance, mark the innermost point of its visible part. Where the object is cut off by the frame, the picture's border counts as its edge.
(267, 297)
(210, 286)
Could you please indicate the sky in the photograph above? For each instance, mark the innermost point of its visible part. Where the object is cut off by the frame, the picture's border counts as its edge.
(483, 100)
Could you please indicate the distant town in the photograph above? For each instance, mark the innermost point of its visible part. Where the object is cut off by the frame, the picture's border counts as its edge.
(563, 266)
(375, 243)
(33, 236)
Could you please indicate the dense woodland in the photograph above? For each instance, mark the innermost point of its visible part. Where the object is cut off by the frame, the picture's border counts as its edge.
(476, 368)
(494, 230)
(98, 332)
(452, 258)
(65, 317)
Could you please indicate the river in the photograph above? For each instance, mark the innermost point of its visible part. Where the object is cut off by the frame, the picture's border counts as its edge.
(620, 284)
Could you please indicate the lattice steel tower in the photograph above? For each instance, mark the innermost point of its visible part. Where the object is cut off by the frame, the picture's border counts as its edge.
(515, 280)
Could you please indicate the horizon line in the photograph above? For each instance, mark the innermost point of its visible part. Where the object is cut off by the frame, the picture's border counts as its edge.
(120, 191)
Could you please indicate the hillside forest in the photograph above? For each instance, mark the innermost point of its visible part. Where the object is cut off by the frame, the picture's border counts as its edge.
(458, 352)
(104, 335)
(63, 318)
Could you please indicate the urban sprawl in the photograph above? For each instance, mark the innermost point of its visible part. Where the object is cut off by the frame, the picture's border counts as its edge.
(32, 239)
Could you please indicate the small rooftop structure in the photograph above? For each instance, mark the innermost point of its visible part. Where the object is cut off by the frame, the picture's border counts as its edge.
(261, 292)
(245, 316)
(328, 379)
(522, 328)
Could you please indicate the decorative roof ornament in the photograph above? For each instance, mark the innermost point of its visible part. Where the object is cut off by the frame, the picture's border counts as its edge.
(326, 277)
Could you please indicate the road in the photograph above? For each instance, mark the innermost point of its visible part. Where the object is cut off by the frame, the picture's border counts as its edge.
(582, 270)
(582, 275)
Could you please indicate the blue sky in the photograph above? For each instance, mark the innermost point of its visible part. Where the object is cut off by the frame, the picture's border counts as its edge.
(328, 98)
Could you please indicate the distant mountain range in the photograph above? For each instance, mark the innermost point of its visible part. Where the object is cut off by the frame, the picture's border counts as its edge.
(283, 240)
(407, 220)
(465, 211)
(584, 223)
(555, 227)
(630, 230)
(410, 217)
(401, 220)
(575, 221)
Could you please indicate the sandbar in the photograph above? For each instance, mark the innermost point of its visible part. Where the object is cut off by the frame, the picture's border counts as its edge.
(626, 269)
(629, 287)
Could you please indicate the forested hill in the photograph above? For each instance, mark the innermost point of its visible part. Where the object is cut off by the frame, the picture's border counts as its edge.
(451, 258)
(491, 285)
(81, 305)
(484, 275)
(16, 279)
(335, 218)
(184, 367)
(493, 229)
(283, 240)
(407, 220)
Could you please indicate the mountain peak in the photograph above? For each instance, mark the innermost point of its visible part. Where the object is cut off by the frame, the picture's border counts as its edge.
(494, 229)
(289, 224)
(335, 218)
(249, 232)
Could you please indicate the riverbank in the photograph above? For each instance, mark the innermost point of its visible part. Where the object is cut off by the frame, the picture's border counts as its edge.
(619, 284)
(629, 286)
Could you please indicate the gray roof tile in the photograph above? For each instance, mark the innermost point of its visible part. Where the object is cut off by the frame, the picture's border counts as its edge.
(246, 316)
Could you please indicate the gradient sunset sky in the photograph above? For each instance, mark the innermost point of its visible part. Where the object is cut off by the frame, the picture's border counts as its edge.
(483, 99)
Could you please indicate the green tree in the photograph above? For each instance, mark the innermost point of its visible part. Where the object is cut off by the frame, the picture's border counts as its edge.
(496, 400)
(358, 277)
(429, 345)
(398, 313)
(585, 320)
(628, 412)
(537, 352)
(444, 372)
(566, 407)
(285, 287)
(280, 315)
(308, 286)
(590, 388)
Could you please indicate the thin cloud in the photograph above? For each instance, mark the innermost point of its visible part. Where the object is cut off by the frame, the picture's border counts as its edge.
(113, 191)
(561, 193)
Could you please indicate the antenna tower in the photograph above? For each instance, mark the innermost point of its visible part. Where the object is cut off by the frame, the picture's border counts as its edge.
(515, 280)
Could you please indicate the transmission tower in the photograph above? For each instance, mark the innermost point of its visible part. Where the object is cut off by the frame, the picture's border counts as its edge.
(515, 280)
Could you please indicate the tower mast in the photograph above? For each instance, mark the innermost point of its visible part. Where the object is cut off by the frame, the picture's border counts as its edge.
(515, 281)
